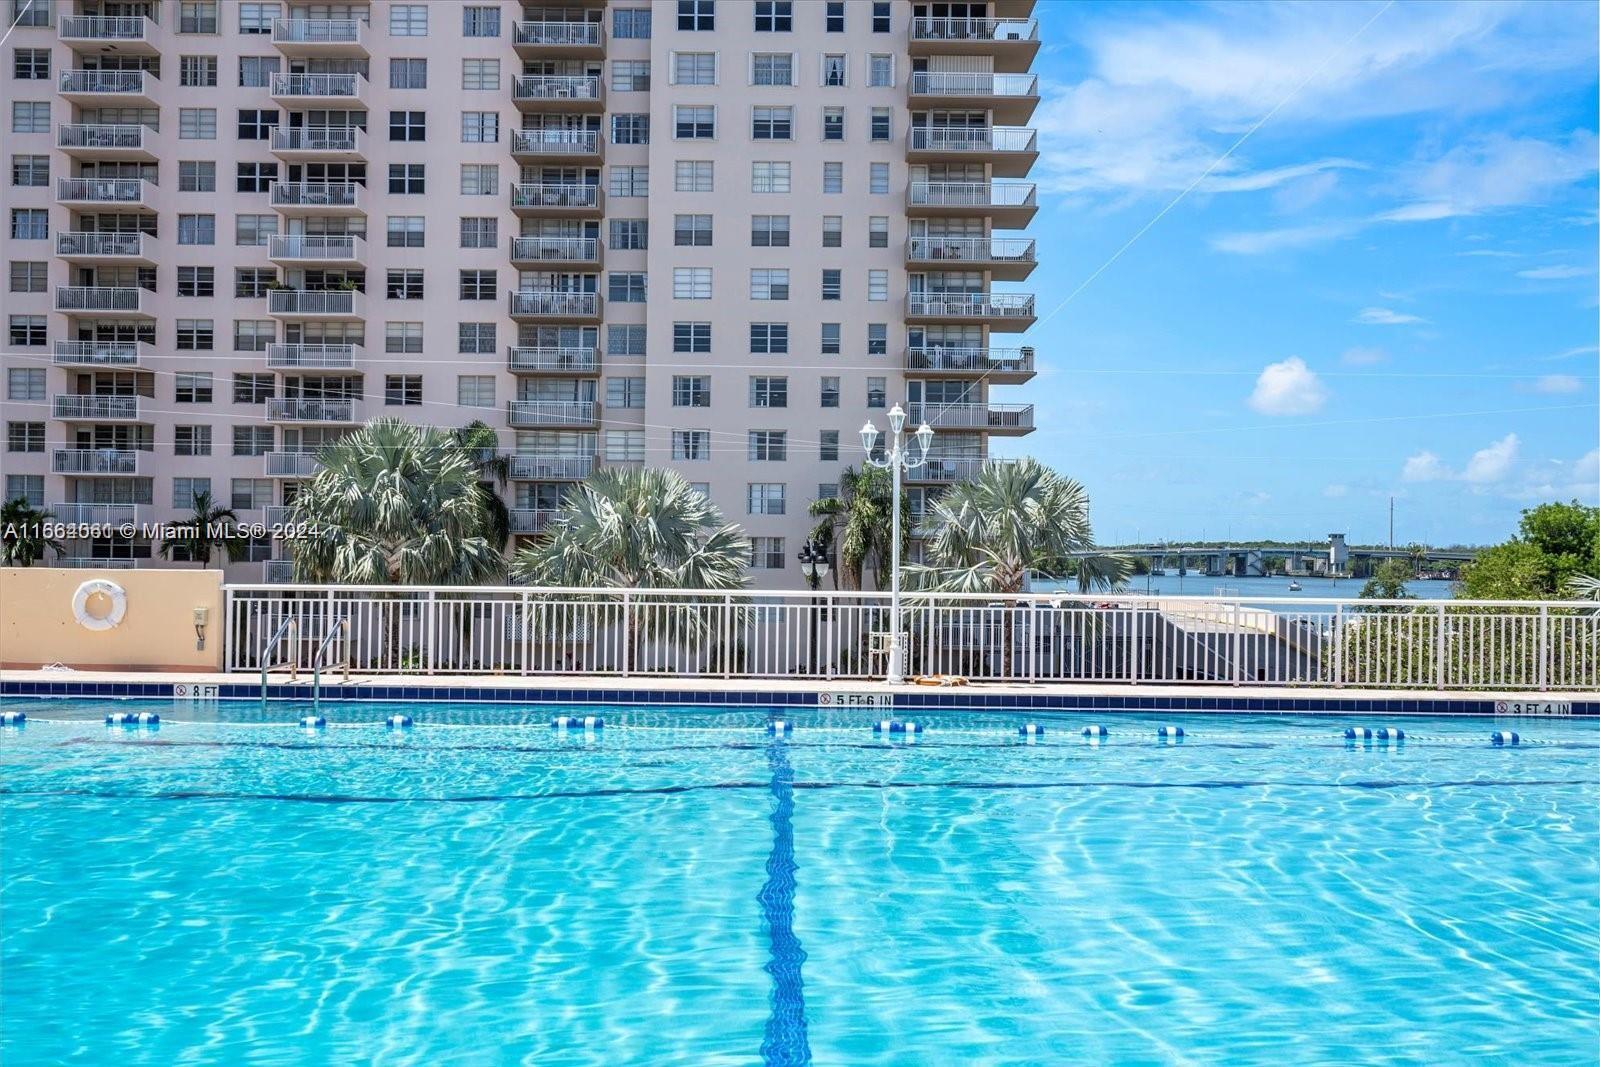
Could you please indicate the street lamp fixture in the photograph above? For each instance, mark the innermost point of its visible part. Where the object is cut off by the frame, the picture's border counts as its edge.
(896, 459)
(814, 565)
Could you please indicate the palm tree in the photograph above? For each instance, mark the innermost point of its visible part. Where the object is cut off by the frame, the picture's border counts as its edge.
(639, 528)
(209, 527)
(857, 523)
(22, 537)
(482, 444)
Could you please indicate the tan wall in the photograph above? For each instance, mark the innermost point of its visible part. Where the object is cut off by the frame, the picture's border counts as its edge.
(37, 625)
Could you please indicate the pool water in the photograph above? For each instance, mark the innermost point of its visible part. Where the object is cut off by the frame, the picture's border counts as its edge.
(681, 888)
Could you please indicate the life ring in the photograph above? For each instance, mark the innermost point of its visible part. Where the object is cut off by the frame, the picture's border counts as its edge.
(100, 587)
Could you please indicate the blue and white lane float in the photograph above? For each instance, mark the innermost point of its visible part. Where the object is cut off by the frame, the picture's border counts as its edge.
(398, 722)
(313, 722)
(1096, 731)
(1367, 733)
(895, 726)
(13, 718)
(1031, 729)
(780, 727)
(575, 722)
(1169, 733)
(133, 718)
(1505, 737)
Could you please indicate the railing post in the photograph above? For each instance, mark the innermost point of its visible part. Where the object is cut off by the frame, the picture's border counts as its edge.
(527, 635)
(1438, 647)
(1338, 646)
(1544, 649)
(627, 633)
(1033, 641)
(428, 628)
(1233, 640)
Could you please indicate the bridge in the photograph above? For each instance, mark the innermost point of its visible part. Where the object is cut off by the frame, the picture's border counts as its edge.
(1332, 558)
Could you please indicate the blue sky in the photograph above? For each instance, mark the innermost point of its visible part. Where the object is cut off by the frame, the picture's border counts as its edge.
(1388, 288)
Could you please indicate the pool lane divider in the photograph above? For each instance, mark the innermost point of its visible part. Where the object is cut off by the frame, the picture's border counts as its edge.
(133, 718)
(577, 722)
(784, 1042)
(780, 727)
(896, 726)
(1505, 737)
(398, 722)
(1368, 733)
(13, 718)
(313, 722)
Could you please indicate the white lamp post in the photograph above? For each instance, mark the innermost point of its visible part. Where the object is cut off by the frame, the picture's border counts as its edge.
(897, 458)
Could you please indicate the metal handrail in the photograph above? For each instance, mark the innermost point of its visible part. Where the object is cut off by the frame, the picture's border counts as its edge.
(291, 623)
(341, 627)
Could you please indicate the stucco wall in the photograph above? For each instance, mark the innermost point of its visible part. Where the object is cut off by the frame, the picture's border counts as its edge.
(37, 625)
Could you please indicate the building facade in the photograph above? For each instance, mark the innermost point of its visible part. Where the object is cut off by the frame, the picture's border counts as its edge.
(716, 235)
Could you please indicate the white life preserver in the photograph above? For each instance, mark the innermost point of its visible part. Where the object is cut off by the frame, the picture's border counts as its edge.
(111, 590)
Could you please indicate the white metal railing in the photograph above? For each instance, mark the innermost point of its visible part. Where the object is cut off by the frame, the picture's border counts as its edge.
(90, 514)
(315, 246)
(970, 305)
(311, 302)
(100, 244)
(308, 409)
(531, 520)
(947, 469)
(292, 464)
(971, 416)
(555, 304)
(316, 31)
(555, 142)
(556, 249)
(330, 85)
(97, 353)
(974, 29)
(95, 461)
(71, 298)
(972, 194)
(102, 190)
(320, 357)
(558, 33)
(277, 571)
(522, 413)
(974, 139)
(100, 135)
(76, 406)
(1105, 638)
(108, 563)
(962, 249)
(969, 358)
(553, 360)
(316, 139)
(555, 194)
(316, 194)
(547, 87)
(954, 83)
(104, 28)
(534, 468)
(105, 82)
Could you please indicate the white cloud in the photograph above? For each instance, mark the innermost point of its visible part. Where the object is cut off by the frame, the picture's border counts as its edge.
(1494, 173)
(1554, 273)
(1262, 242)
(1424, 467)
(1288, 388)
(1363, 357)
(1387, 317)
(1580, 350)
(1554, 384)
(1271, 179)
(1586, 471)
(1335, 491)
(1493, 463)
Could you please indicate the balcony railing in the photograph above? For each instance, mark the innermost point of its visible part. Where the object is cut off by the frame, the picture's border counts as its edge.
(545, 303)
(311, 302)
(1020, 139)
(91, 514)
(970, 305)
(103, 190)
(551, 87)
(317, 31)
(556, 249)
(959, 250)
(316, 195)
(75, 407)
(305, 409)
(316, 139)
(97, 353)
(104, 82)
(277, 571)
(130, 137)
(951, 83)
(100, 245)
(961, 29)
(553, 360)
(553, 412)
(98, 563)
(103, 28)
(95, 461)
(972, 194)
(946, 469)
(555, 142)
(972, 416)
(316, 85)
(551, 468)
(316, 357)
(958, 358)
(292, 464)
(316, 247)
(558, 33)
(70, 298)
(555, 194)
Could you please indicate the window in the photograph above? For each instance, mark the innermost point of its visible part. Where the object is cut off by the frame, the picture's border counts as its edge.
(772, 123)
(697, 14)
(630, 129)
(197, 123)
(690, 391)
(692, 231)
(25, 383)
(407, 178)
(832, 231)
(29, 277)
(691, 176)
(403, 285)
(624, 392)
(402, 390)
(408, 73)
(630, 181)
(184, 490)
(880, 124)
(253, 281)
(877, 392)
(192, 387)
(834, 16)
(24, 13)
(766, 553)
(480, 74)
(772, 68)
(24, 437)
(631, 23)
(833, 177)
(252, 441)
(198, 229)
(768, 446)
(630, 75)
(625, 340)
(833, 70)
(880, 70)
(402, 338)
(832, 284)
(630, 234)
(479, 232)
(30, 487)
(691, 337)
(769, 284)
(769, 338)
(774, 16)
(769, 392)
(830, 392)
(31, 64)
(877, 285)
(880, 16)
(475, 390)
(689, 123)
(255, 72)
(27, 331)
(248, 229)
(30, 171)
(256, 177)
(833, 124)
(475, 338)
(256, 18)
(766, 498)
(247, 493)
(478, 285)
(29, 224)
(877, 338)
(405, 231)
(480, 21)
(197, 176)
(626, 287)
(880, 178)
(691, 283)
(29, 116)
(878, 231)
(769, 231)
(828, 447)
(480, 127)
(480, 179)
(257, 124)
(694, 68)
(623, 446)
(196, 335)
(190, 441)
(253, 335)
(408, 126)
(197, 281)
(686, 444)
(768, 177)
(408, 20)
(830, 339)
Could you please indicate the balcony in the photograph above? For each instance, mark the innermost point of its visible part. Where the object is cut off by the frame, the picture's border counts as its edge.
(277, 571)
(551, 468)
(550, 40)
(322, 250)
(101, 353)
(1010, 43)
(139, 248)
(317, 90)
(1009, 312)
(310, 144)
(539, 305)
(291, 464)
(556, 146)
(102, 192)
(556, 252)
(572, 361)
(1007, 366)
(98, 563)
(1008, 205)
(1010, 98)
(303, 199)
(1009, 150)
(541, 414)
(91, 514)
(311, 409)
(1011, 420)
(320, 37)
(317, 303)
(131, 35)
(1005, 258)
(310, 357)
(109, 88)
(88, 461)
(106, 141)
(277, 514)
(944, 471)
(74, 407)
(557, 200)
(103, 300)
(531, 520)
(558, 92)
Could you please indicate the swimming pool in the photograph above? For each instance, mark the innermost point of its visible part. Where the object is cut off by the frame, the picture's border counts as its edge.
(681, 887)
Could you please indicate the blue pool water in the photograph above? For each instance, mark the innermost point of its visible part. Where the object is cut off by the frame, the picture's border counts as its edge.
(683, 889)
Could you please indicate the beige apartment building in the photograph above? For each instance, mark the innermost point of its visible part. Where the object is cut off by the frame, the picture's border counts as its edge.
(716, 235)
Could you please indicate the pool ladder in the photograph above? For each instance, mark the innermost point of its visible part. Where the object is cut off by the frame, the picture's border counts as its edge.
(290, 629)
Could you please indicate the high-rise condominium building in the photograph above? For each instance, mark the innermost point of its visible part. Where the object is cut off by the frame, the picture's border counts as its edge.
(716, 235)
